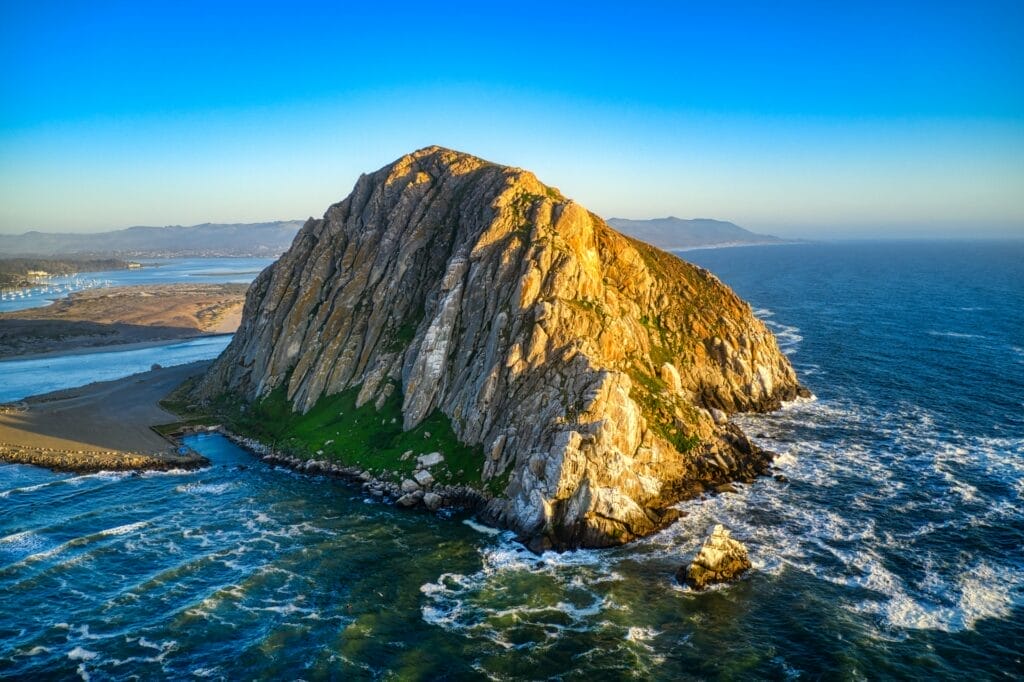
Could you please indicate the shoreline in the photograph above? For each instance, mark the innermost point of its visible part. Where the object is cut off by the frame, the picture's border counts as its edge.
(101, 426)
(113, 347)
(96, 319)
(448, 497)
(737, 245)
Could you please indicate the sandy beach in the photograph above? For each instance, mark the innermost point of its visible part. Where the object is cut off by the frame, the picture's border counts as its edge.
(100, 426)
(121, 316)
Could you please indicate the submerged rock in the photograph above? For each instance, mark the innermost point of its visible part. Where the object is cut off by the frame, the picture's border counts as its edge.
(582, 364)
(721, 559)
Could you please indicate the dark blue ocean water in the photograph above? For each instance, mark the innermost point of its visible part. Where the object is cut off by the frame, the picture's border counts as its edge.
(894, 549)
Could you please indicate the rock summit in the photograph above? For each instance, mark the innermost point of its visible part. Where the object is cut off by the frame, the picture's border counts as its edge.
(584, 366)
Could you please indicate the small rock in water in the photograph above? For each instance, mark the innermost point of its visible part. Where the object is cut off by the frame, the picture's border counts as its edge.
(156, 366)
(720, 560)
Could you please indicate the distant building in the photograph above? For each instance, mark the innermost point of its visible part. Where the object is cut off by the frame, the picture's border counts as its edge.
(37, 273)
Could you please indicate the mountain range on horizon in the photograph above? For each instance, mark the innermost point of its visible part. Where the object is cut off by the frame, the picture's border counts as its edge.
(207, 239)
(273, 238)
(673, 233)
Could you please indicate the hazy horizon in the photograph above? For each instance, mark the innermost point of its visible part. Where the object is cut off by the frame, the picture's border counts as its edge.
(794, 120)
(875, 233)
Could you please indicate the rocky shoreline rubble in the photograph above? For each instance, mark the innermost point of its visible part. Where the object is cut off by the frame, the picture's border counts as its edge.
(419, 490)
(83, 461)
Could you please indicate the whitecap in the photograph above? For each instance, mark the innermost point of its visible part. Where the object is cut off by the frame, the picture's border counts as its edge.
(481, 528)
(174, 472)
(205, 672)
(80, 654)
(641, 634)
(204, 488)
(123, 530)
(956, 335)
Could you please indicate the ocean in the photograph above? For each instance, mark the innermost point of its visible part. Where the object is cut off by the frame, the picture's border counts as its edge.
(893, 549)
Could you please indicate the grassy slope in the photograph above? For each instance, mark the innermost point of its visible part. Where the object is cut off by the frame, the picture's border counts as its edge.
(336, 430)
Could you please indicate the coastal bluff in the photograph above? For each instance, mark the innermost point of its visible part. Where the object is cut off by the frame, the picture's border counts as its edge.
(586, 378)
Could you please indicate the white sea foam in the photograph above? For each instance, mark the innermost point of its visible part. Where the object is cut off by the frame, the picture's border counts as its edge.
(25, 541)
(123, 530)
(481, 528)
(174, 472)
(206, 672)
(28, 488)
(102, 476)
(205, 488)
(80, 654)
(981, 592)
(38, 650)
(957, 335)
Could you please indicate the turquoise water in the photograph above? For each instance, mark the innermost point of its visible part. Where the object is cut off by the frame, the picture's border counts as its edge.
(156, 271)
(894, 549)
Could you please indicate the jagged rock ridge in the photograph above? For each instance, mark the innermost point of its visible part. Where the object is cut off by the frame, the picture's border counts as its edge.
(587, 365)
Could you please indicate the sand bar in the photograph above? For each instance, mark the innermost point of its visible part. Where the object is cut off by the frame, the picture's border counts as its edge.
(100, 318)
(100, 426)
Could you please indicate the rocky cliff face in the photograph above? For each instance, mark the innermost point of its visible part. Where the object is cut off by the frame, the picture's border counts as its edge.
(594, 370)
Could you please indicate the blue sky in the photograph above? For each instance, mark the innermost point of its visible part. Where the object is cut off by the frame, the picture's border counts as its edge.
(804, 119)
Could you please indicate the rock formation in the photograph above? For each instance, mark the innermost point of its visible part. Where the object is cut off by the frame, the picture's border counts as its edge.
(720, 560)
(582, 363)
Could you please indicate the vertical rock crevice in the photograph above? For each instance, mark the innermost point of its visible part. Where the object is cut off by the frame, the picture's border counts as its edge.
(589, 367)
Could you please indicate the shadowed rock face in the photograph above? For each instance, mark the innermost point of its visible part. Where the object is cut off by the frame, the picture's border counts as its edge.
(583, 362)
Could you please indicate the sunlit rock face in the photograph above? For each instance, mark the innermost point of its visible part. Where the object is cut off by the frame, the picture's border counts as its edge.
(585, 364)
(721, 559)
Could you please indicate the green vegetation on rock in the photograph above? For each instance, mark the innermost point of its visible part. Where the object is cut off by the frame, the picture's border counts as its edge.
(338, 431)
(650, 392)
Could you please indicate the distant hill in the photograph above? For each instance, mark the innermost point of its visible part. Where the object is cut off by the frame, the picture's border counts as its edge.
(675, 233)
(208, 239)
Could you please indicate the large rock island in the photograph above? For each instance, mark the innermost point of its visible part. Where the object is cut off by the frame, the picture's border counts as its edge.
(584, 377)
